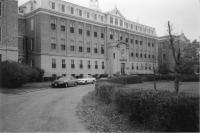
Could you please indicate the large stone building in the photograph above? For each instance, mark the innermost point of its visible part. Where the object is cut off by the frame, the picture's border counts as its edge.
(165, 55)
(67, 39)
(8, 30)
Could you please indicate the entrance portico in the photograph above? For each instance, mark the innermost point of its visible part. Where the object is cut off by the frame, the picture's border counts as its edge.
(118, 58)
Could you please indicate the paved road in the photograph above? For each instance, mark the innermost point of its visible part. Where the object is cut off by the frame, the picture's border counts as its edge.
(46, 110)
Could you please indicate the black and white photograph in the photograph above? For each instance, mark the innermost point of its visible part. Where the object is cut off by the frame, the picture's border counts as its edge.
(99, 66)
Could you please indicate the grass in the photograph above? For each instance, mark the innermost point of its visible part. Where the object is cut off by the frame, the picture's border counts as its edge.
(100, 117)
(187, 87)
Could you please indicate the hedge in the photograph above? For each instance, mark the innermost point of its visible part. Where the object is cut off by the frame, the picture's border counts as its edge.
(131, 79)
(160, 111)
(14, 75)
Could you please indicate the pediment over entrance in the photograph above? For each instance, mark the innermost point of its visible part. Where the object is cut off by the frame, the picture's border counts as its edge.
(118, 44)
(116, 12)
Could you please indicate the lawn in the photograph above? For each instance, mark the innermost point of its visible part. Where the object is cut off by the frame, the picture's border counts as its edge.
(187, 87)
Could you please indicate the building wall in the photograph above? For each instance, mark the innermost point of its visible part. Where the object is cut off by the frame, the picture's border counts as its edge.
(45, 44)
(9, 30)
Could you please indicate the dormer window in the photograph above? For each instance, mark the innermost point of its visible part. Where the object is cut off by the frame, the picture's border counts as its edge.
(53, 5)
(116, 21)
(111, 20)
(72, 10)
(88, 15)
(63, 8)
(121, 23)
(80, 12)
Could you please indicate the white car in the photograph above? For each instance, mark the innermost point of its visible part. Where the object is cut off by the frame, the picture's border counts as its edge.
(87, 79)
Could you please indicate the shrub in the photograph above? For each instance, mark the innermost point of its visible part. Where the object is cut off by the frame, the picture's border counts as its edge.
(14, 75)
(161, 111)
(131, 79)
(104, 91)
(190, 78)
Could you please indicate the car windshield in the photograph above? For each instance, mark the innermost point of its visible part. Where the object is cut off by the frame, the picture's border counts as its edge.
(87, 76)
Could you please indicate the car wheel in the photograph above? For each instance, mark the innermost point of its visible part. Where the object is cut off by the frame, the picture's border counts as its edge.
(66, 85)
(75, 84)
(93, 82)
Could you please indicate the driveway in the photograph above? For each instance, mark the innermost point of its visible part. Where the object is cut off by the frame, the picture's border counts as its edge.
(45, 110)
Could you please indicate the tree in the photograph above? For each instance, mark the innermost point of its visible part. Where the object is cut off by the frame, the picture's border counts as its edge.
(176, 56)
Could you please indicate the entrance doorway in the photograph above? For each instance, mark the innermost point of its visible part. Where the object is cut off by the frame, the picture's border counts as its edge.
(122, 68)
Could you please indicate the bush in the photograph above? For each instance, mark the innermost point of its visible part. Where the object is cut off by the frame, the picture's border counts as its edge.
(190, 78)
(14, 75)
(132, 79)
(160, 111)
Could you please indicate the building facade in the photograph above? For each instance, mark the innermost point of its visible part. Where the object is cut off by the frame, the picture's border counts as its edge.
(8, 30)
(165, 55)
(67, 39)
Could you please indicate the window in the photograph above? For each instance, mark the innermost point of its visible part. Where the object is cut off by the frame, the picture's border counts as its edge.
(80, 12)
(81, 49)
(131, 41)
(137, 68)
(53, 46)
(95, 50)
(132, 67)
(116, 21)
(121, 23)
(132, 54)
(63, 47)
(0, 8)
(0, 58)
(81, 64)
(32, 44)
(88, 50)
(149, 56)
(72, 10)
(141, 55)
(149, 44)
(111, 36)
(136, 54)
(111, 20)
(88, 33)
(127, 40)
(164, 56)
(88, 15)
(62, 28)
(32, 63)
(102, 35)
(71, 29)
(141, 42)
(53, 5)
(53, 63)
(113, 55)
(95, 34)
(80, 31)
(102, 18)
(72, 64)
(72, 48)
(121, 38)
(136, 42)
(63, 64)
(153, 56)
(152, 44)
(89, 66)
(63, 8)
(53, 26)
(32, 24)
(102, 50)
(103, 66)
(96, 65)
(145, 56)
(0, 34)
(95, 16)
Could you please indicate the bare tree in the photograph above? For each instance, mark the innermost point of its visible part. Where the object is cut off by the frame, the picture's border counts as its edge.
(177, 57)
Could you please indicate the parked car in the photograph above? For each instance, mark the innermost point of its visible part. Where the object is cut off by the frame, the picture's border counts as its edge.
(65, 82)
(86, 79)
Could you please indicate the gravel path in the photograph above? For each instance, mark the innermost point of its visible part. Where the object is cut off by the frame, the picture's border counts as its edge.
(46, 110)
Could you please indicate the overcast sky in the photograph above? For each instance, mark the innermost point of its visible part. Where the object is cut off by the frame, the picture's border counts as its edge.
(184, 14)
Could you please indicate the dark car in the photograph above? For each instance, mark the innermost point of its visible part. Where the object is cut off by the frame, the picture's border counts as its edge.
(65, 82)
